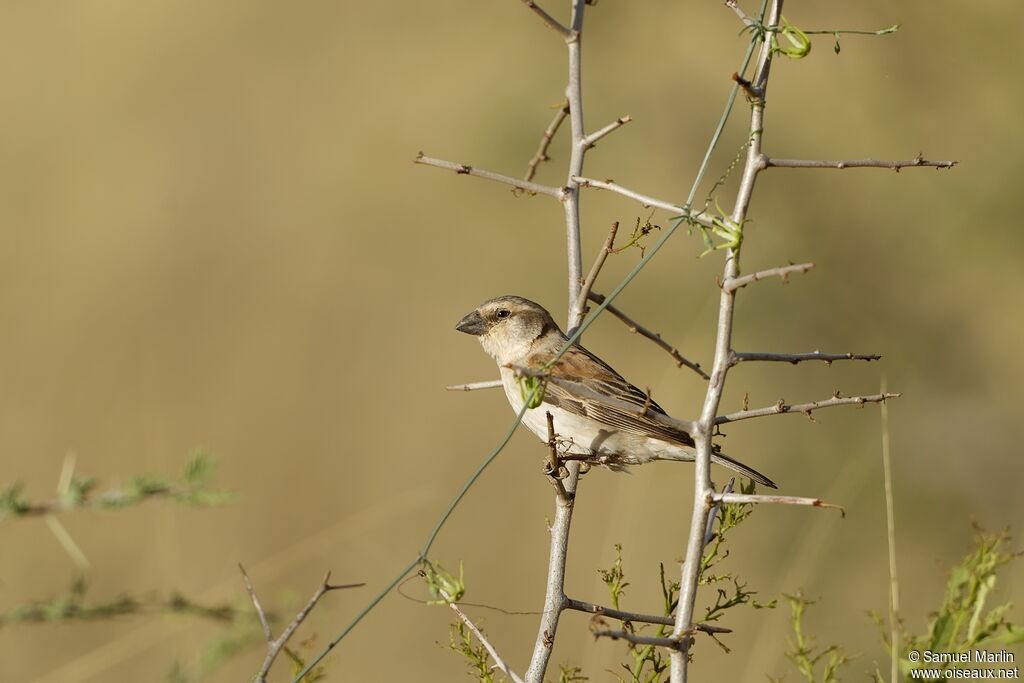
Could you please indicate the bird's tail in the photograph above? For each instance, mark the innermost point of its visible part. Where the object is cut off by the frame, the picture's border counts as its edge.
(736, 465)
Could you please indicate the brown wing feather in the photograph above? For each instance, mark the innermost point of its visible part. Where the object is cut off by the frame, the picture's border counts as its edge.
(581, 366)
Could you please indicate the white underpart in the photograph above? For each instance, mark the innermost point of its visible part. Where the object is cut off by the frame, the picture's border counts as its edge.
(511, 343)
(578, 435)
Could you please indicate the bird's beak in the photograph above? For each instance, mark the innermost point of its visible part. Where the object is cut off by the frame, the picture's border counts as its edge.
(472, 324)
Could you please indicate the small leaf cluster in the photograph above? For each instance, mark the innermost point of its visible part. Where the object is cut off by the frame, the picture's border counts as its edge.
(648, 664)
(461, 640)
(444, 587)
(73, 606)
(76, 492)
(963, 622)
(640, 231)
(805, 654)
(730, 590)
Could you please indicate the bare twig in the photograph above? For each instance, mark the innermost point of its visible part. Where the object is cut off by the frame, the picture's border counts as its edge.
(709, 530)
(744, 17)
(592, 139)
(805, 408)
(545, 141)
(637, 328)
(670, 643)
(498, 661)
(621, 615)
(553, 465)
(595, 270)
(548, 20)
(917, 162)
(464, 169)
(275, 645)
(473, 386)
(734, 283)
(642, 198)
(743, 498)
(794, 358)
(570, 195)
(260, 612)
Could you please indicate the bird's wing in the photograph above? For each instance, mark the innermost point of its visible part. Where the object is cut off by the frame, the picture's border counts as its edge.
(581, 366)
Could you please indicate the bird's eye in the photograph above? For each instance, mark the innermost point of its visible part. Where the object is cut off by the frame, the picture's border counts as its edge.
(502, 313)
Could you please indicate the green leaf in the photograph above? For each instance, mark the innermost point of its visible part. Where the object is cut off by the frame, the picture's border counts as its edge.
(442, 584)
(199, 468)
(532, 390)
(1013, 635)
(799, 44)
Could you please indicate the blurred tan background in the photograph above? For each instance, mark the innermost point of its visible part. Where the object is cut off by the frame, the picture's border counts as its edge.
(214, 235)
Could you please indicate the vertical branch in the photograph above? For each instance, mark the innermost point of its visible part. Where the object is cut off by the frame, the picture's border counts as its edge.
(555, 601)
(554, 593)
(571, 193)
(703, 491)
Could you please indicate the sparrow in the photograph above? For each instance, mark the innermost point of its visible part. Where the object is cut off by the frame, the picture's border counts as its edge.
(517, 332)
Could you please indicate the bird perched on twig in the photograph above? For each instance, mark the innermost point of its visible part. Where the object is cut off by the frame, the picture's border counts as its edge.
(519, 333)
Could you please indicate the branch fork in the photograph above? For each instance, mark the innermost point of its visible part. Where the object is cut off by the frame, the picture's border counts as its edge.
(275, 645)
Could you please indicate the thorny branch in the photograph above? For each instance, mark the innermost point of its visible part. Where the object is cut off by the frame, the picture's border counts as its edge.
(734, 283)
(606, 249)
(637, 328)
(803, 408)
(702, 435)
(275, 645)
(580, 290)
(643, 199)
(638, 639)
(794, 358)
(553, 467)
(465, 169)
(545, 141)
(592, 139)
(554, 592)
(548, 20)
(742, 498)
(621, 615)
(917, 162)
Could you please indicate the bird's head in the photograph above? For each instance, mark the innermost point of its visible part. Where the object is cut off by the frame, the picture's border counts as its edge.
(507, 326)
